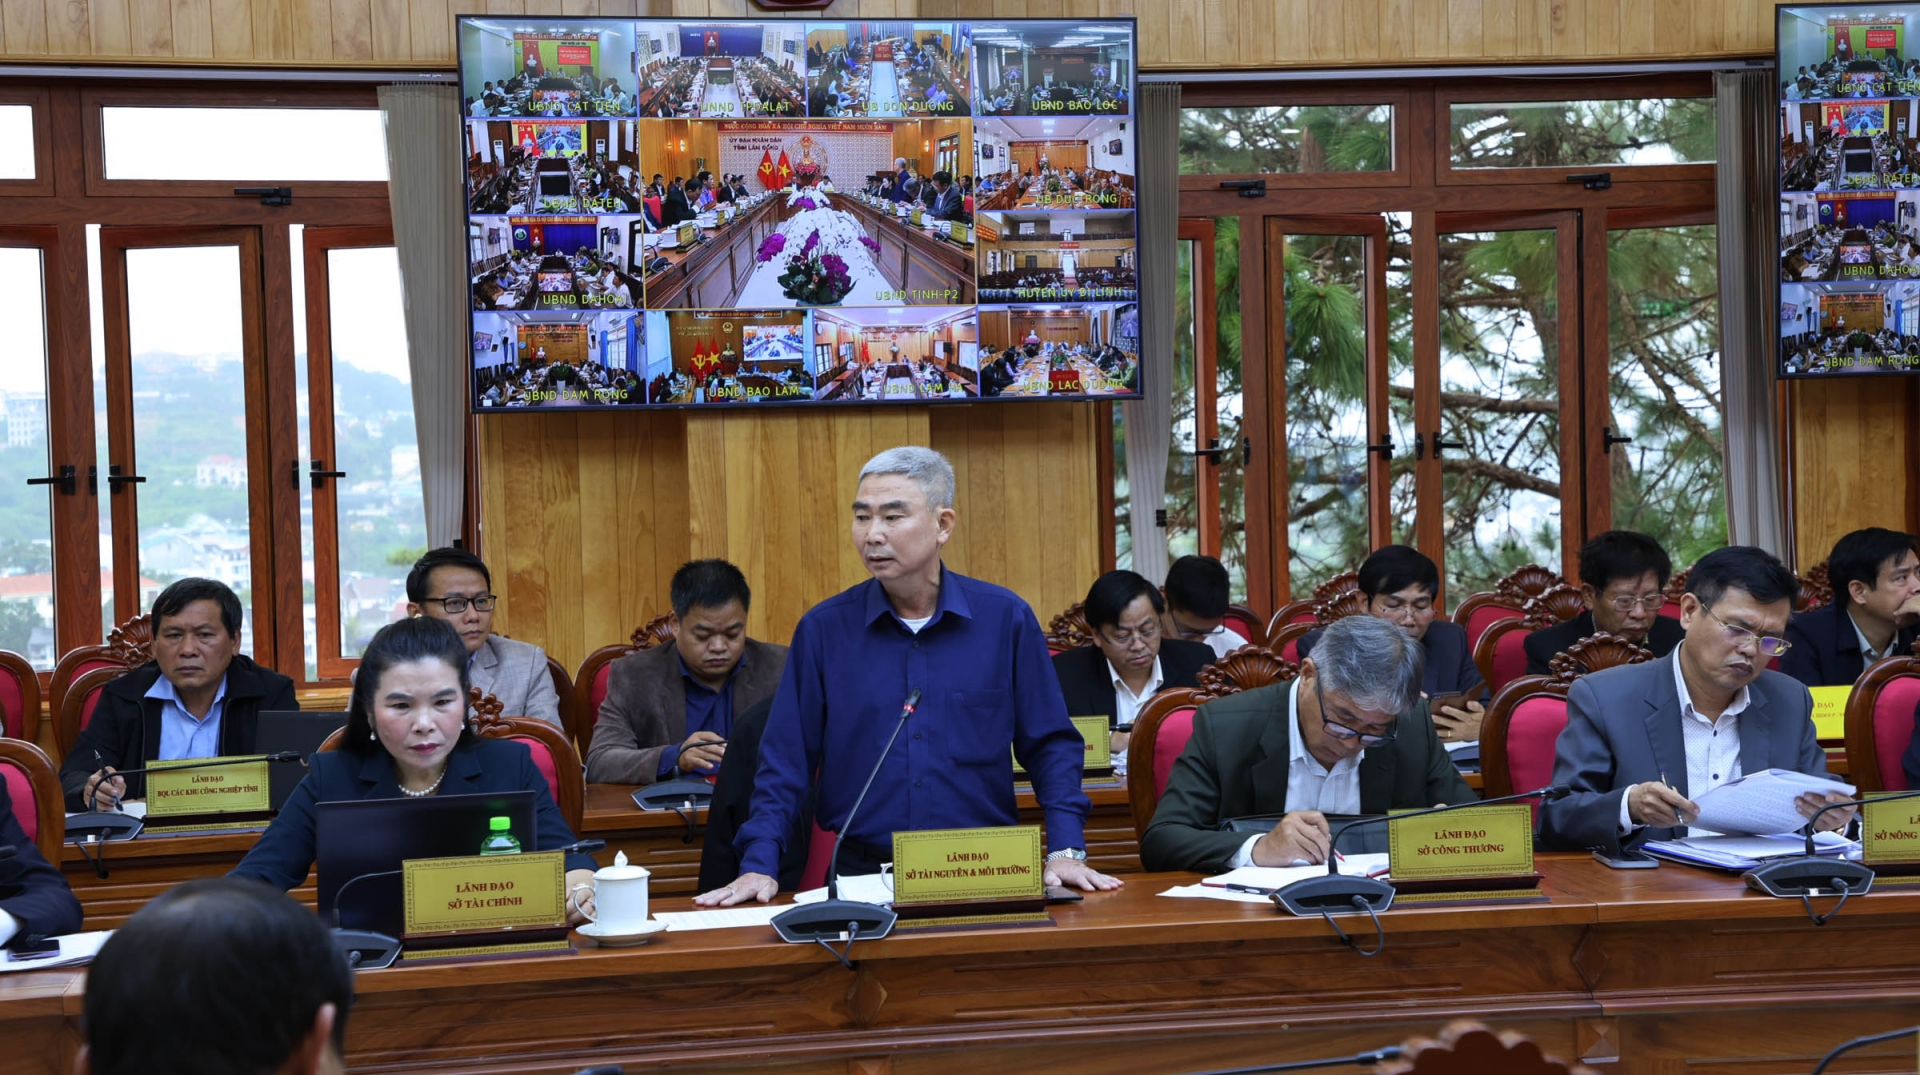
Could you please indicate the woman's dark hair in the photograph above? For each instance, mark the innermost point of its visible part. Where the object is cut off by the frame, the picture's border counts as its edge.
(1113, 592)
(421, 638)
(220, 976)
(1396, 567)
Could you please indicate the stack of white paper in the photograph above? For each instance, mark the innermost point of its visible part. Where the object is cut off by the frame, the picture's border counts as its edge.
(1762, 804)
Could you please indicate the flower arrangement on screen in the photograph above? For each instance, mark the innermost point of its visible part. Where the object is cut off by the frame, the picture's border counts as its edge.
(820, 251)
(806, 174)
(813, 275)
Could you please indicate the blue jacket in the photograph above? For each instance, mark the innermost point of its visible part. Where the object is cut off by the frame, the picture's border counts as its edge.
(285, 853)
(32, 889)
(1826, 651)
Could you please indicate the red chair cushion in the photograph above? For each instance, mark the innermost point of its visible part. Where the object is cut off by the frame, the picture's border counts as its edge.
(1532, 733)
(20, 790)
(1509, 658)
(1893, 727)
(543, 761)
(599, 693)
(1291, 651)
(1240, 626)
(1168, 741)
(1671, 608)
(87, 707)
(819, 851)
(14, 698)
(1484, 617)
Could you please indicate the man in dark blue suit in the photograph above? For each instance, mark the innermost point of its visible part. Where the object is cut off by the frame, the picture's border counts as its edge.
(1874, 614)
(34, 897)
(1399, 584)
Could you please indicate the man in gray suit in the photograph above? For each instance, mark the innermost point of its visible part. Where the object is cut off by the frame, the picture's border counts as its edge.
(1351, 735)
(669, 710)
(454, 585)
(1642, 739)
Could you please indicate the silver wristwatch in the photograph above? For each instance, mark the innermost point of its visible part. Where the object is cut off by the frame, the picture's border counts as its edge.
(1077, 854)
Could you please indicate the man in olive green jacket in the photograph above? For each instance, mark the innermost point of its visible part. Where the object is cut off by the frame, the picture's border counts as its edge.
(1351, 735)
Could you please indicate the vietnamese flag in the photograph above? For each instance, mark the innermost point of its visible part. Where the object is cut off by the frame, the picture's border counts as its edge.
(784, 170)
(766, 172)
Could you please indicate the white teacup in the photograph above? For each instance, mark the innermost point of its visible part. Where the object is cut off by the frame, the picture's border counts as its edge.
(620, 897)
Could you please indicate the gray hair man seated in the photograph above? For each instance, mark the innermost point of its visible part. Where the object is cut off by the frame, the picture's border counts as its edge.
(1351, 735)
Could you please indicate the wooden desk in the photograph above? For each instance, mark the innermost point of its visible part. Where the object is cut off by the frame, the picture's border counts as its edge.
(931, 271)
(711, 274)
(1661, 971)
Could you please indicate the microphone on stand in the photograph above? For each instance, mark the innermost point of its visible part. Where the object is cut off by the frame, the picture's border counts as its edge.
(364, 949)
(1339, 893)
(835, 918)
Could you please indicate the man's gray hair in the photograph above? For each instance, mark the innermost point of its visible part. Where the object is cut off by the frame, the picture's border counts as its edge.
(1373, 663)
(928, 469)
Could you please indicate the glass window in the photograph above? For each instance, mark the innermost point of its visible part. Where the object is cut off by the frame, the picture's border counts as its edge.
(1286, 139)
(1326, 295)
(268, 144)
(16, 142)
(1664, 389)
(1580, 134)
(26, 525)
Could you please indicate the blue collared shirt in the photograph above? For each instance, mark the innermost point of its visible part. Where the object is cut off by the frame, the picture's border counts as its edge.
(986, 684)
(182, 735)
(708, 710)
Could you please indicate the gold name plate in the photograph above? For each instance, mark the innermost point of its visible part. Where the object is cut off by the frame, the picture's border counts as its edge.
(181, 788)
(944, 865)
(1094, 731)
(1830, 711)
(1890, 832)
(485, 892)
(1489, 841)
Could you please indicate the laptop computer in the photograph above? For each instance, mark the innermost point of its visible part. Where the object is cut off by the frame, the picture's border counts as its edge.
(292, 729)
(373, 836)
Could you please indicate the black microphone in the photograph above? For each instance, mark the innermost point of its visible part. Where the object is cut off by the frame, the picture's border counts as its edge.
(1810, 873)
(1339, 893)
(364, 949)
(1872, 1039)
(834, 917)
(208, 763)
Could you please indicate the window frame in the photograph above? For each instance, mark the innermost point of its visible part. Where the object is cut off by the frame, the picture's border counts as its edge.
(1515, 91)
(1289, 95)
(38, 99)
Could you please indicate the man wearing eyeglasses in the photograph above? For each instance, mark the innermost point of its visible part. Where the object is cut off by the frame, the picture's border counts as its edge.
(1643, 740)
(1350, 735)
(1623, 579)
(454, 585)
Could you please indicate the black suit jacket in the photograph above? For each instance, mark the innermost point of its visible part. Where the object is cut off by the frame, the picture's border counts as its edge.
(1543, 646)
(677, 209)
(125, 729)
(1826, 651)
(1237, 764)
(1449, 667)
(733, 801)
(32, 889)
(1087, 680)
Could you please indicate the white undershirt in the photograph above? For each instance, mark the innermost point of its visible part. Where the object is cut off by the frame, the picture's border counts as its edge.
(1713, 746)
(1311, 785)
(9, 926)
(915, 625)
(1126, 704)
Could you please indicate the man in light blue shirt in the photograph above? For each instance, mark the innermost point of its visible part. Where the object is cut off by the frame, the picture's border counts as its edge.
(183, 735)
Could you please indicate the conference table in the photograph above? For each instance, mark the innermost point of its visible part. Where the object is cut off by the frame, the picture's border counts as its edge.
(1658, 971)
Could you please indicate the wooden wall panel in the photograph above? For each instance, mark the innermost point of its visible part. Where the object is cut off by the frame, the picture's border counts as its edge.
(1854, 445)
(1174, 33)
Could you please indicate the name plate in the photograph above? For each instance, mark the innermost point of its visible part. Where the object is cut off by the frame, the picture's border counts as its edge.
(1830, 711)
(180, 788)
(482, 892)
(1094, 732)
(1890, 832)
(1490, 841)
(943, 865)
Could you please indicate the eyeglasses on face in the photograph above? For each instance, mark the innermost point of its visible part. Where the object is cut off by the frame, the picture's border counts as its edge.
(1627, 602)
(1147, 633)
(1341, 731)
(1737, 636)
(453, 606)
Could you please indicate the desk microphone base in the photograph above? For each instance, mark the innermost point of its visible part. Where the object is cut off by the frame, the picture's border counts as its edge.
(1335, 894)
(1796, 877)
(829, 920)
(366, 950)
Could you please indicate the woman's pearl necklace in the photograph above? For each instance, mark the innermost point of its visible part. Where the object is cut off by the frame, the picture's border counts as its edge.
(428, 790)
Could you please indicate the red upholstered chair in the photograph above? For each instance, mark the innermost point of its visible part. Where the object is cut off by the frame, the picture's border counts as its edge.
(1523, 724)
(1286, 641)
(1676, 586)
(1069, 630)
(1481, 611)
(563, 687)
(1248, 623)
(1160, 733)
(1880, 723)
(34, 786)
(819, 853)
(19, 697)
(590, 684)
(553, 754)
(1501, 655)
(1243, 670)
(1304, 610)
(129, 646)
(78, 703)
(1290, 613)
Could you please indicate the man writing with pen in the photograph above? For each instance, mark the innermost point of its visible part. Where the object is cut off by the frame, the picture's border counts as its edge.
(198, 698)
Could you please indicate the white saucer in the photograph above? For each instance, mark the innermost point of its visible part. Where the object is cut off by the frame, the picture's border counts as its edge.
(653, 928)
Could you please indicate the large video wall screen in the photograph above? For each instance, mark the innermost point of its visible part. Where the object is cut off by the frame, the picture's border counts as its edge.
(1849, 189)
(669, 214)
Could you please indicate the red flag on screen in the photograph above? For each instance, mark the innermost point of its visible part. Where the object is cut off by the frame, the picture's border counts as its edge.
(766, 173)
(784, 170)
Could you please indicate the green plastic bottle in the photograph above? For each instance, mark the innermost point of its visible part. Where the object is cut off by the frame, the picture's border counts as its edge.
(499, 841)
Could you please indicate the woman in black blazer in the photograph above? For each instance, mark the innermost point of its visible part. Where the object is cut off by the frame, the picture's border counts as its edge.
(407, 736)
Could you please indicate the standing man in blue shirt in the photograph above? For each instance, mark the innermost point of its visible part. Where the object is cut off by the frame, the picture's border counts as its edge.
(974, 652)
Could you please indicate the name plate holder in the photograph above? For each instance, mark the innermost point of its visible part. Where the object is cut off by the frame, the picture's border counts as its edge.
(1890, 837)
(970, 874)
(1830, 712)
(191, 793)
(1484, 849)
(482, 906)
(1097, 765)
